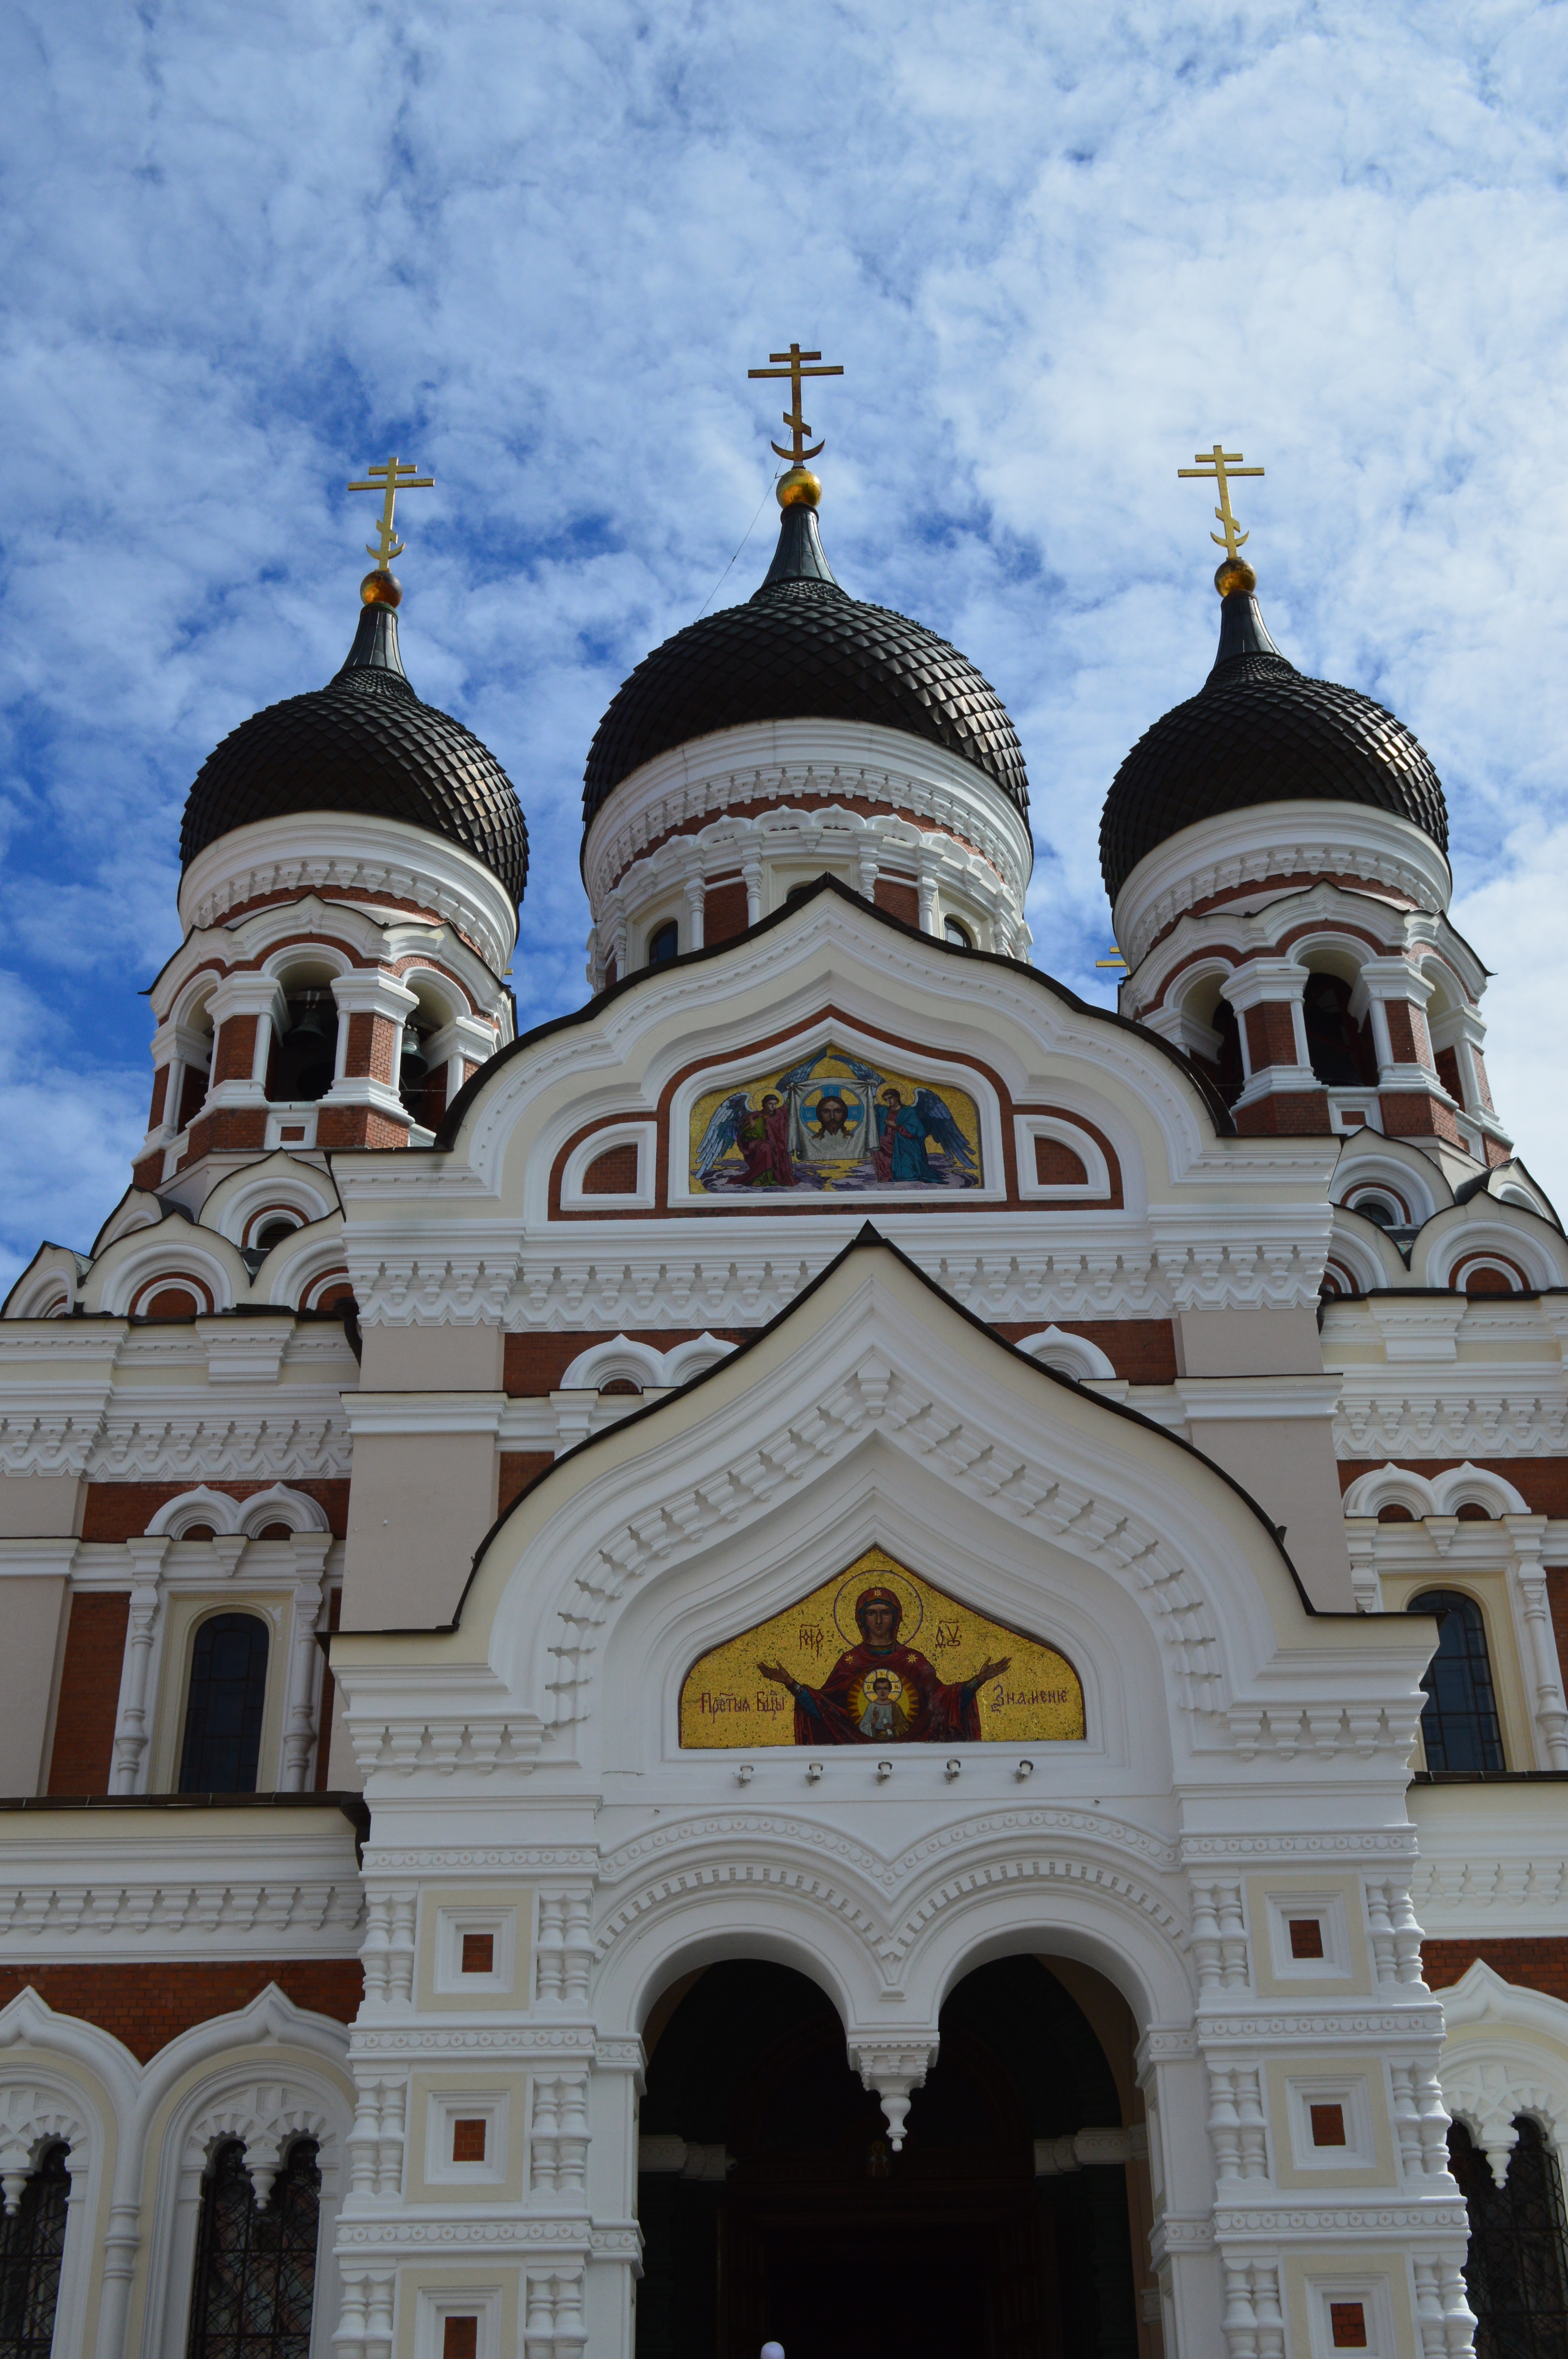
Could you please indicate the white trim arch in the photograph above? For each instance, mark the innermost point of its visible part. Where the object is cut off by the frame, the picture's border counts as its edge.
(297, 1264)
(58, 2067)
(1482, 1228)
(1070, 1356)
(1374, 1165)
(177, 1248)
(1505, 2053)
(622, 1358)
(635, 1132)
(277, 1504)
(267, 2073)
(278, 1180)
(1441, 1495)
(1366, 1251)
(47, 1287)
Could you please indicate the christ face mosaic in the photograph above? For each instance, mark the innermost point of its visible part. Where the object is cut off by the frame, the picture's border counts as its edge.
(878, 1656)
(832, 1123)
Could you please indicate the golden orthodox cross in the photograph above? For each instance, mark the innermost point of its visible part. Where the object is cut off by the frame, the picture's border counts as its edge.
(794, 368)
(1221, 466)
(397, 475)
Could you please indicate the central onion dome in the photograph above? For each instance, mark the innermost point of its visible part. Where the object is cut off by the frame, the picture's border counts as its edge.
(802, 648)
(1259, 732)
(364, 743)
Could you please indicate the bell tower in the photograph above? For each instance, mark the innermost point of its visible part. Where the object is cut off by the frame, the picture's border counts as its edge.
(1275, 850)
(353, 860)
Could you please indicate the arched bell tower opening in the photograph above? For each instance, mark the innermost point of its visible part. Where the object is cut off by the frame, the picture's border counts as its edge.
(773, 2207)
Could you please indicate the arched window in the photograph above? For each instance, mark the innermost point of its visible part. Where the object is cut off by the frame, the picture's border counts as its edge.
(955, 930)
(256, 2271)
(1337, 1045)
(31, 2241)
(223, 1714)
(1459, 1725)
(663, 944)
(1516, 2272)
(306, 1058)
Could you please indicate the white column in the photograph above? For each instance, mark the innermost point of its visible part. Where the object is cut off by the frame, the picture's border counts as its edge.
(302, 1693)
(242, 995)
(751, 870)
(696, 902)
(1543, 1668)
(131, 1732)
(373, 993)
(1279, 982)
(1382, 982)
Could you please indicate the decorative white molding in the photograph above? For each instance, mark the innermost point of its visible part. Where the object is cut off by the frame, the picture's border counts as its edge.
(1302, 840)
(1070, 1356)
(770, 762)
(333, 851)
(1506, 2054)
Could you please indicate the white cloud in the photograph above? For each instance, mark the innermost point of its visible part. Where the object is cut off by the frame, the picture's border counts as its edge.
(1059, 249)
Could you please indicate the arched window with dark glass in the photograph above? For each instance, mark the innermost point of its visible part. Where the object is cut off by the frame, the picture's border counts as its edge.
(1459, 1724)
(255, 2268)
(32, 2239)
(663, 944)
(1516, 2272)
(223, 1713)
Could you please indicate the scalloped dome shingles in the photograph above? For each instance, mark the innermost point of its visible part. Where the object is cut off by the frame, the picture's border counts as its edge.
(1260, 731)
(802, 648)
(362, 744)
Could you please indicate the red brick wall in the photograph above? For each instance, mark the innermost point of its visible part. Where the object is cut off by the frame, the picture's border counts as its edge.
(1141, 1350)
(724, 912)
(1535, 1964)
(613, 1173)
(89, 1694)
(518, 1469)
(234, 1051)
(119, 1511)
(898, 900)
(1057, 1166)
(145, 2006)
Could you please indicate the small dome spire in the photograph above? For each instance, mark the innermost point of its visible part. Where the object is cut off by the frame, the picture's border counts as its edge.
(802, 648)
(1260, 731)
(364, 743)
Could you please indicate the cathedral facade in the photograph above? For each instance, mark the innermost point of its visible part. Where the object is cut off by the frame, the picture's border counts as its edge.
(841, 1651)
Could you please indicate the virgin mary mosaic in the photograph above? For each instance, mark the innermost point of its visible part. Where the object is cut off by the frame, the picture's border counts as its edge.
(834, 1123)
(878, 1656)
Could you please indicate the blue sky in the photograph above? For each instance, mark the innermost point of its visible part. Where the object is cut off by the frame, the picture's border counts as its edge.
(1058, 249)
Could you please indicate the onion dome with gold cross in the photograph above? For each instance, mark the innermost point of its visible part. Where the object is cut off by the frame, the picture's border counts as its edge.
(1260, 731)
(802, 733)
(365, 744)
(800, 649)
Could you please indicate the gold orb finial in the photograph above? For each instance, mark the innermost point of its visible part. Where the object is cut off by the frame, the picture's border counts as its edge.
(799, 488)
(381, 588)
(1235, 578)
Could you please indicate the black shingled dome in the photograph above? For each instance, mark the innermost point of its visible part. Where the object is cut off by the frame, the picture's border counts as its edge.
(364, 744)
(802, 648)
(1259, 732)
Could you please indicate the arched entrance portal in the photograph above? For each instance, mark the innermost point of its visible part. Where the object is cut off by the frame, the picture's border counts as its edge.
(772, 2207)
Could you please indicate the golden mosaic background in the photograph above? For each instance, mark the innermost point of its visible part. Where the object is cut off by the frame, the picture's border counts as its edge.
(723, 1701)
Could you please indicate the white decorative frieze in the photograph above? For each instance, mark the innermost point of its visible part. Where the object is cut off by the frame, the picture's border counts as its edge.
(156, 1913)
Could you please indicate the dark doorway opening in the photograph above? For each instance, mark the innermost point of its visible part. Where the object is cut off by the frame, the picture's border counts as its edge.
(772, 2207)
